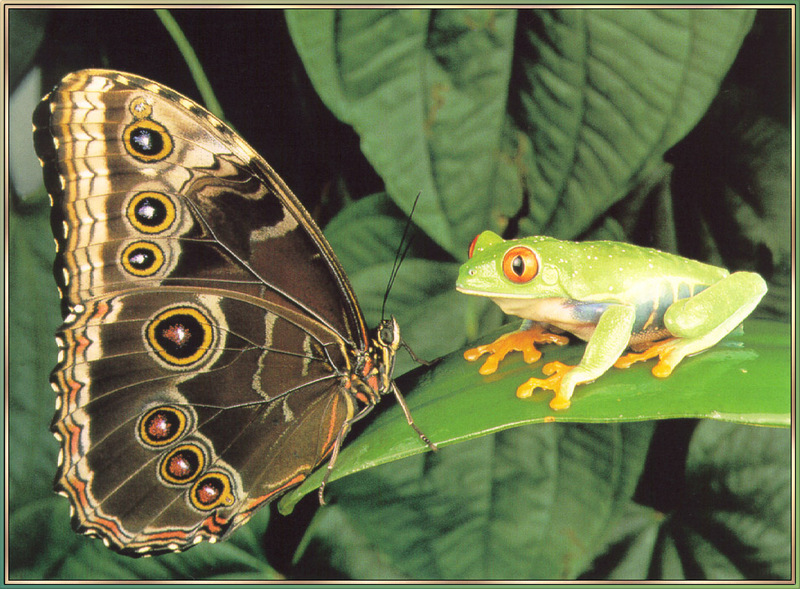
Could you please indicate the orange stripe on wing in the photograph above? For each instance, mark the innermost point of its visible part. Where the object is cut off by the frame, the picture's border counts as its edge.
(253, 504)
(214, 524)
(167, 536)
(82, 342)
(331, 435)
(73, 388)
(84, 506)
(73, 437)
(101, 310)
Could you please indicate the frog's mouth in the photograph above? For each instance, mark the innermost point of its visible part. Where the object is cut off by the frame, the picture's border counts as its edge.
(474, 291)
(490, 295)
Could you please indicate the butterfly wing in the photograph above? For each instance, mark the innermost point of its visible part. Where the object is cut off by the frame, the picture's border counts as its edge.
(210, 333)
(135, 163)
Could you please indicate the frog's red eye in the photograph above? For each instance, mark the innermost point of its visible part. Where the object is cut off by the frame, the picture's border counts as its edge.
(472, 246)
(520, 264)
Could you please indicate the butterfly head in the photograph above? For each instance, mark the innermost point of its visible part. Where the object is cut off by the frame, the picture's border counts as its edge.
(386, 341)
(388, 335)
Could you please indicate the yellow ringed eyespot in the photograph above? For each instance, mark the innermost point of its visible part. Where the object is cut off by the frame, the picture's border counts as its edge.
(162, 425)
(212, 490)
(183, 464)
(180, 336)
(142, 258)
(140, 108)
(151, 212)
(147, 141)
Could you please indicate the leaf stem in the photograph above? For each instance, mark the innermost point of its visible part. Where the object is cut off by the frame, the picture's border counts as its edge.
(199, 76)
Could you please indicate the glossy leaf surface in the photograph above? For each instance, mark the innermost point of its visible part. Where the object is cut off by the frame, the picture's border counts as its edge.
(744, 379)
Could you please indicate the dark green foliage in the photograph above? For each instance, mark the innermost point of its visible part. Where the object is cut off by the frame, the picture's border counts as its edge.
(665, 128)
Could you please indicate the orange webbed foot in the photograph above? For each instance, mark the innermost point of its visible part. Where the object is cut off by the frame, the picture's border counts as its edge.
(663, 368)
(518, 341)
(554, 371)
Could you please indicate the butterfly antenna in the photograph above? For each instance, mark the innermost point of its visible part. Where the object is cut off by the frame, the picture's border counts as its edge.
(398, 261)
(402, 251)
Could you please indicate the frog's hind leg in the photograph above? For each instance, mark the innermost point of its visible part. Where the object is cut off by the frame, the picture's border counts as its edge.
(661, 349)
(703, 320)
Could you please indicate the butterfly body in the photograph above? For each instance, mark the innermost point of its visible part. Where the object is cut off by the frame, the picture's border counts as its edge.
(212, 352)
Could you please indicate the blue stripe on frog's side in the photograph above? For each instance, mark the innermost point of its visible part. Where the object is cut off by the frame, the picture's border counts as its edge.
(649, 313)
(587, 312)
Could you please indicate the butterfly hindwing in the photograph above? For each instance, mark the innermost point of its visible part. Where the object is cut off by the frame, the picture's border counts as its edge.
(137, 423)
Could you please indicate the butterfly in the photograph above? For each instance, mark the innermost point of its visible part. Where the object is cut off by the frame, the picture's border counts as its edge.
(213, 352)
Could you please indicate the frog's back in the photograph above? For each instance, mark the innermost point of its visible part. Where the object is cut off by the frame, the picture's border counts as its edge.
(610, 270)
(597, 274)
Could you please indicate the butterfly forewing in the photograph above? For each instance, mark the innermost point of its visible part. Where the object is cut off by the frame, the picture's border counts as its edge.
(204, 210)
(210, 335)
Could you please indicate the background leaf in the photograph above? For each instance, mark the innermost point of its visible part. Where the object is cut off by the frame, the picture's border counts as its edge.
(528, 503)
(431, 329)
(29, 366)
(537, 113)
(45, 547)
(730, 518)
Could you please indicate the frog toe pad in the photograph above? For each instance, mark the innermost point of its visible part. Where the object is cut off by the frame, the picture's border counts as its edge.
(554, 371)
(518, 341)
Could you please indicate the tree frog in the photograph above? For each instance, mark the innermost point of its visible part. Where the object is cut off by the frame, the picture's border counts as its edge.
(612, 295)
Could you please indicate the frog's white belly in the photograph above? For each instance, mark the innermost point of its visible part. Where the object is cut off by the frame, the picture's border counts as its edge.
(554, 311)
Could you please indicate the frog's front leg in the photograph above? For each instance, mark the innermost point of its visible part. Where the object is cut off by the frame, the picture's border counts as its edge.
(609, 340)
(522, 340)
(701, 321)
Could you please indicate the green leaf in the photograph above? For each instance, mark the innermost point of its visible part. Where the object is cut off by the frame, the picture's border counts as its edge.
(528, 503)
(32, 324)
(732, 515)
(45, 523)
(739, 483)
(26, 31)
(743, 379)
(503, 114)
(731, 205)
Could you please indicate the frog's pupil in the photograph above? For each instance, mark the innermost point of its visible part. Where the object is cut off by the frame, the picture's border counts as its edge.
(518, 265)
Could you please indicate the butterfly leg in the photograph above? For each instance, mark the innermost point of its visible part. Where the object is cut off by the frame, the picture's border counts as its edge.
(410, 420)
(345, 429)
